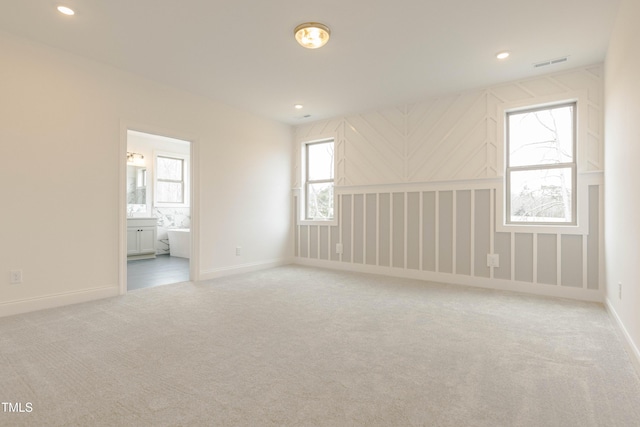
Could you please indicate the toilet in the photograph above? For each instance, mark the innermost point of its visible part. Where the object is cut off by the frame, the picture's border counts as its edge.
(179, 242)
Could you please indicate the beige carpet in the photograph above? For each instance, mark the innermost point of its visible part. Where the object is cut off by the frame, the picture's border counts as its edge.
(296, 346)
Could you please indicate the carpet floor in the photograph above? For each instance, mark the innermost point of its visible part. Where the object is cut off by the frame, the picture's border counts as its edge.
(299, 346)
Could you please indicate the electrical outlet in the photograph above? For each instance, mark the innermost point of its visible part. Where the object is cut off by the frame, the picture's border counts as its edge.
(16, 277)
(493, 260)
(338, 248)
(619, 290)
(238, 251)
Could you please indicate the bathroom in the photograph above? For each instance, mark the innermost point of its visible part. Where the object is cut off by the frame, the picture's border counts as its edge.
(158, 210)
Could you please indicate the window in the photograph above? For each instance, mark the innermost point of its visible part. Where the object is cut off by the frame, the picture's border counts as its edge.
(319, 180)
(171, 180)
(541, 165)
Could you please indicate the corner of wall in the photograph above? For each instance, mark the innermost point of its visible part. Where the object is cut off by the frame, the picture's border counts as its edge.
(630, 346)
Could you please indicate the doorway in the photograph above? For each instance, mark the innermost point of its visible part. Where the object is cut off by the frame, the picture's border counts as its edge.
(159, 222)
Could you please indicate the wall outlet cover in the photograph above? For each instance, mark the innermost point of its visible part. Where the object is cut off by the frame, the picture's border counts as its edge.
(15, 277)
(493, 260)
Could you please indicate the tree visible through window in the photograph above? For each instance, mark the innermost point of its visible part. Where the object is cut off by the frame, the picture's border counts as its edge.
(319, 180)
(541, 165)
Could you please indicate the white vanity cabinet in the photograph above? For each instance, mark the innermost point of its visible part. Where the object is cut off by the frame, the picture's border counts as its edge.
(141, 238)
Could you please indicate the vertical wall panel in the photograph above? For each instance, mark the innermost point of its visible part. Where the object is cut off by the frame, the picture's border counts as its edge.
(547, 259)
(335, 238)
(313, 241)
(463, 232)
(502, 247)
(429, 231)
(384, 229)
(304, 241)
(398, 230)
(371, 232)
(388, 229)
(345, 221)
(524, 257)
(324, 243)
(413, 230)
(571, 258)
(482, 232)
(358, 228)
(296, 228)
(593, 240)
(445, 240)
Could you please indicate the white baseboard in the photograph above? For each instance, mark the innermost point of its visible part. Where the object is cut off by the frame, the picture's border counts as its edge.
(58, 300)
(632, 348)
(242, 268)
(459, 279)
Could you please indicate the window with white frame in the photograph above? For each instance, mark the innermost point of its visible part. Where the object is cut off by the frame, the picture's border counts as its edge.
(171, 180)
(540, 176)
(319, 180)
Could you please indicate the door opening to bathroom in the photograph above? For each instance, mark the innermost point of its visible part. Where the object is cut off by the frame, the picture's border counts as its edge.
(158, 223)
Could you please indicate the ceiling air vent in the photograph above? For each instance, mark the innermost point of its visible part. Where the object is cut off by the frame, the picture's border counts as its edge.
(551, 62)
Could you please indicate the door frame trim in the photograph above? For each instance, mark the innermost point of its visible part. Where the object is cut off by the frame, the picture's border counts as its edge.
(194, 261)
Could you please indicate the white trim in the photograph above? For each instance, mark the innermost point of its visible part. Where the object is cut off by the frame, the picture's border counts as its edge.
(463, 280)
(302, 171)
(436, 194)
(27, 305)
(186, 178)
(391, 229)
(406, 225)
(353, 227)
(472, 237)
(420, 229)
(535, 257)
(410, 187)
(582, 208)
(585, 179)
(454, 232)
(492, 231)
(631, 347)
(377, 228)
(244, 268)
(194, 191)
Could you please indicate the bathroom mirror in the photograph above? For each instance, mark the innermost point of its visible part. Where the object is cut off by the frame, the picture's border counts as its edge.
(136, 187)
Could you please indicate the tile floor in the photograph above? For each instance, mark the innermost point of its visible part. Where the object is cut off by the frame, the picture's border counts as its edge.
(161, 270)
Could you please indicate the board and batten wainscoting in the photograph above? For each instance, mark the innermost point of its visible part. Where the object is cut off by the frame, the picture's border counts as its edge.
(443, 232)
(418, 192)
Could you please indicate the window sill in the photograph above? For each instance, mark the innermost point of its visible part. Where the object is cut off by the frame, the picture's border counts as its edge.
(324, 222)
(542, 229)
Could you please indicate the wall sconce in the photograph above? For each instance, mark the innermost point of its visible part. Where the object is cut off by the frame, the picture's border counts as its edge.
(135, 159)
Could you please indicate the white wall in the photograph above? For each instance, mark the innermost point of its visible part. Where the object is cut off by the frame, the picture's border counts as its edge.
(418, 189)
(60, 137)
(622, 171)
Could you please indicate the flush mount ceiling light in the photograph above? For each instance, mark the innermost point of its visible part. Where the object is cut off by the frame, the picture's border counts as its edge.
(65, 10)
(298, 106)
(312, 35)
(503, 55)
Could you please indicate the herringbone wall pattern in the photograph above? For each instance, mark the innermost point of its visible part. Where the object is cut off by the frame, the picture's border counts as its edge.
(417, 191)
(452, 137)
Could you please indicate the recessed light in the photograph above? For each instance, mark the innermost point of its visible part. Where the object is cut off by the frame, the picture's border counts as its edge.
(298, 106)
(65, 10)
(503, 55)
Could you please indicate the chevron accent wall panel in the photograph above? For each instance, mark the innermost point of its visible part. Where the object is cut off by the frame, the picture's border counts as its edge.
(417, 188)
(451, 137)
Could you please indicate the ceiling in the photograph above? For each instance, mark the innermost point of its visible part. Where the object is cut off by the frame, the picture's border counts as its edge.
(381, 52)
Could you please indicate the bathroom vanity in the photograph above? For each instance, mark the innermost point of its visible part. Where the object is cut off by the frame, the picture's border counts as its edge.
(141, 238)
